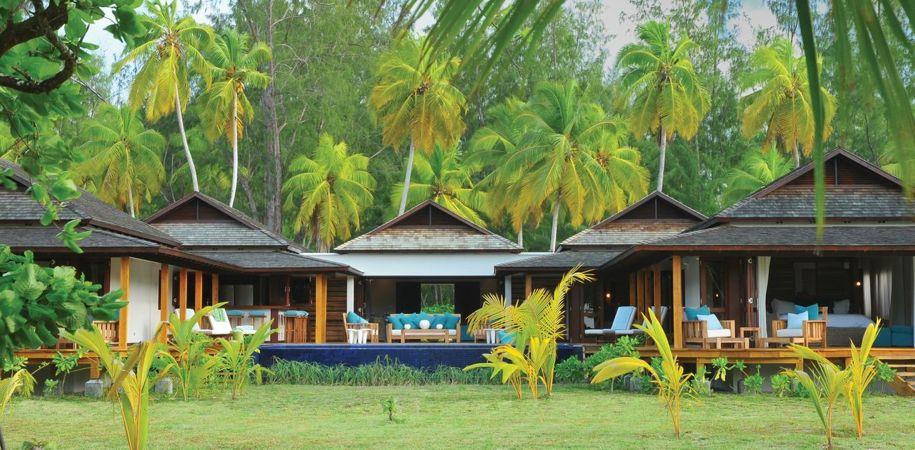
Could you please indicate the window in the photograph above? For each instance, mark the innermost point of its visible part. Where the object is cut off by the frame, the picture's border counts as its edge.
(437, 298)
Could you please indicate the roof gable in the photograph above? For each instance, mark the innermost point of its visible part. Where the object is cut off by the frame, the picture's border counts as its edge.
(842, 168)
(429, 227)
(654, 206)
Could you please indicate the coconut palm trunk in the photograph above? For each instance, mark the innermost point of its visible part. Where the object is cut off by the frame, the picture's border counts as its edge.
(406, 179)
(234, 147)
(521, 236)
(187, 149)
(662, 157)
(555, 226)
(797, 156)
(130, 201)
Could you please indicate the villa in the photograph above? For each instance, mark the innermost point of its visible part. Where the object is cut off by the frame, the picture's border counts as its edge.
(749, 266)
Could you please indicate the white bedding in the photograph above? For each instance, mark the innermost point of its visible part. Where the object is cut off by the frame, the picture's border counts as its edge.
(847, 321)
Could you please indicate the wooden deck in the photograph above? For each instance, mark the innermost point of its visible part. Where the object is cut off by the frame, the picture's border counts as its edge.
(777, 356)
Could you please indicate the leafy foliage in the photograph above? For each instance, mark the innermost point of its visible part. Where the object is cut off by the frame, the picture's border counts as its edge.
(383, 372)
(443, 178)
(37, 302)
(237, 357)
(188, 354)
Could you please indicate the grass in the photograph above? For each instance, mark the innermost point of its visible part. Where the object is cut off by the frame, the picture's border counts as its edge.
(288, 416)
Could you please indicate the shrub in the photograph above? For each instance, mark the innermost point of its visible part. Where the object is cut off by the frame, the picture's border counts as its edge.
(383, 372)
(624, 346)
(572, 370)
(781, 385)
(753, 383)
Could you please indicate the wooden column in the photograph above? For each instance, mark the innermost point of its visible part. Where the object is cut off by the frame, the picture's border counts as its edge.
(214, 288)
(656, 276)
(320, 308)
(677, 301)
(632, 289)
(124, 266)
(528, 285)
(287, 290)
(182, 294)
(164, 284)
(640, 293)
(198, 292)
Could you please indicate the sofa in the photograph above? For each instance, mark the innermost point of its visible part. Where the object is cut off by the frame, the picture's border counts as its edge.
(895, 336)
(424, 326)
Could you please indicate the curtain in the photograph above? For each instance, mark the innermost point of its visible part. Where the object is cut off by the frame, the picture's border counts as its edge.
(867, 289)
(762, 284)
(882, 287)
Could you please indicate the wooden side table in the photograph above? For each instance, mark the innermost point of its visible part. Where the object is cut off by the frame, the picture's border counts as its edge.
(752, 332)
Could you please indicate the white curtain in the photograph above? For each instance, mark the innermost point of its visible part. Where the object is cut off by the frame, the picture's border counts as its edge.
(882, 287)
(762, 285)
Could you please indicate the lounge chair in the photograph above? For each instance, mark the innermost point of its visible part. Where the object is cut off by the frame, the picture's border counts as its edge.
(621, 326)
(810, 331)
(219, 324)
(699, 332)
(352, 321)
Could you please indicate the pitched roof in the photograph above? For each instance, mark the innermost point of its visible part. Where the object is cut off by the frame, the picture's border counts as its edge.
(855, 189)
(198, 220)
(787, 236)
(655, 216)
(38, 237)
(18, 206)
(429, 227)
(271, 260)
(566, 260)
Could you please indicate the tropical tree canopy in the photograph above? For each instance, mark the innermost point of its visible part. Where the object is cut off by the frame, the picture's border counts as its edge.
(756, 170)
(327, 190)
(444, 179)
(779, 101)
(123, 159)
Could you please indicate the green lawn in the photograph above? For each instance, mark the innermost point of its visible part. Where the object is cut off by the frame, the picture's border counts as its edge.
(283, 416)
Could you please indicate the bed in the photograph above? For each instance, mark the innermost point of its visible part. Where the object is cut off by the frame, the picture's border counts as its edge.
(841, 328)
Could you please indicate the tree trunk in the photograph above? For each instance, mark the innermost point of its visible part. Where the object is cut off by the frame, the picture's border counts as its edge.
(274, 214)
(797, 156)
(130, 202)
(406, 180)
(187, 149)
(521, 236)
(662, 157)
(555, 226)
(234, 148)
(249, 195)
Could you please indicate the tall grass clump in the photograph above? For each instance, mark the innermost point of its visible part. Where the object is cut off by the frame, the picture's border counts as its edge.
(382, 372)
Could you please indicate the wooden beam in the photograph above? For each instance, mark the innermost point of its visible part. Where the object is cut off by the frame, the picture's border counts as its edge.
(198, 292)
(214, 288)
(182, 294)
(164, 283)
(124, 266)
(677, 301)
(656, 276)
(528, 285)
(287, 289)
(320, 308)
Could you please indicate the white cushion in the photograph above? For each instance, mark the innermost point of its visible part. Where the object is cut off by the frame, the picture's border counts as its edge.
(439, 326)
(395, 332)
(789, 332)
(711, 321)
(841, 306)
(594, 332)
(719, 333)
(424, 324)
(796, 321)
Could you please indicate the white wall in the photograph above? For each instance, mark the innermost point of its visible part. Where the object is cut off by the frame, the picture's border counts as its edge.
(469, 264)
(143, 310)
(691, 292)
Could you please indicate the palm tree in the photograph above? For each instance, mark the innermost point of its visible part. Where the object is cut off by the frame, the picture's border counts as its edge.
(233, 67)
(557, 157)
(623, 165)
(758, 169)
(414, 100)
(328, 189)
(163, 82)
(780, 100)
(665, 94)
(123, 159)
(442, 178)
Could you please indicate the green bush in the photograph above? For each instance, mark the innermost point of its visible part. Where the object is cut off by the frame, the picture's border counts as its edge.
(624, 346)
(572, 370)
(781, 385)
(383, 372)
(753, 383)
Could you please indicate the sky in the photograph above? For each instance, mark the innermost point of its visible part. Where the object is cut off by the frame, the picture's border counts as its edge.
(757, 16)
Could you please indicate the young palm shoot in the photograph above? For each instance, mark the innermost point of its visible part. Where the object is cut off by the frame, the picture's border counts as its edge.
(191, 364)
(825, 383)
(673, 385)
(862, 370)
(237, 357)
(131, 380)
(20, 382)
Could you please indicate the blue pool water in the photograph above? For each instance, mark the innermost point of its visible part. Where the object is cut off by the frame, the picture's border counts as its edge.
(424, 356)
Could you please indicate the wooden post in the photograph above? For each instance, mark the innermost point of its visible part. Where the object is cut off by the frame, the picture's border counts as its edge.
(632, 289)
(125, 286)
(677, 301)
(198, 292)
(528, 285)
(320, 308)
(182, 293)
(656, 276)
(287, 289)
(164, 284)
(214, 288)
(640, 293)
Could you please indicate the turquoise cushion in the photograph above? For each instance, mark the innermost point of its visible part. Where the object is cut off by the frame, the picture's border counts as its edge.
(235, 313)
(258, 313)
(796, 321)
(451, 321)
(439, 319)
(396, 321)
(352, 317)
(712, 320)
(693, 313)
(412, 319)
(506, 338)
(813, 311)
(424, 316)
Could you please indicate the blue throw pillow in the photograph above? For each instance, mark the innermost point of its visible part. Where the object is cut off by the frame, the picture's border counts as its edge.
(424, 316)
(352, 317)
(693, 313)
(451, 321)
(813, 311)
(796, 321)
(396, 321)
(412, 319)
(712, 320)
(506, 338)
(439, 319)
